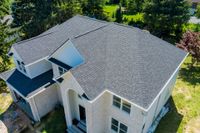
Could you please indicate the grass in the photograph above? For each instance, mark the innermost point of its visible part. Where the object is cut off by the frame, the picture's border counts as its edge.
(5, 97)
(185, 113)
(54, 122)
(5, 101)
(192, 27)
(110, 10)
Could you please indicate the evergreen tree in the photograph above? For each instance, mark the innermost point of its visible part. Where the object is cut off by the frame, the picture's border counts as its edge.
(114, 1)
(5, 39)
(135, 6)
(94, 8)
(198, 11)
(4, 7)
(119, 15)
(123, 3)
(36, 16)
(166, 17)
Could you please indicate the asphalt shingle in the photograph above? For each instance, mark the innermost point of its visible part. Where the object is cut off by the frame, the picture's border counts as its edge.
(125, 60)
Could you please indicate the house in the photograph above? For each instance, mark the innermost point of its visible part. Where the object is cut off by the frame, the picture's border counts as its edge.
(108, 77)
(194, 4)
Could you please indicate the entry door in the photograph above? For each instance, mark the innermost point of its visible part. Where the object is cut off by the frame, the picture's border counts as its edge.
(82, 113)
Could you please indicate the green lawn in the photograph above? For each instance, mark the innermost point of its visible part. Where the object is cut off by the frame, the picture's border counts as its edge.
(110, 10)
(192, 27)
(185, 113)
(54, 122)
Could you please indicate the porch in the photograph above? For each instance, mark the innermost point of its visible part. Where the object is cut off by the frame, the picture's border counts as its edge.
(77, 127)
(25, 107)
(76, 113)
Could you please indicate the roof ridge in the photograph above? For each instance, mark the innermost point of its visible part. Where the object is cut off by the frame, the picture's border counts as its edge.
(87, 32)
(90, 18)
(32, 38)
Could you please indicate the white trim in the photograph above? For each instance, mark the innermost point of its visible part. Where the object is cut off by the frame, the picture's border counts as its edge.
(34, 109)
(92, 101)
(33, 95)
(136, 105)
(44, 58)
(167, 82)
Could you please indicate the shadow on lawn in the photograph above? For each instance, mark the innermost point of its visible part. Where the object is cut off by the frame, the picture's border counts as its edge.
(190, 75)
(171, 121)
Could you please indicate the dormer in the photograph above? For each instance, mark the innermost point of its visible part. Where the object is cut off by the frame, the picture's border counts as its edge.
(30, 70)
(65, 58)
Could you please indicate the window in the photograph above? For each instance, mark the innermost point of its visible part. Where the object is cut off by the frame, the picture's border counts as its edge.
(114, 125)
(126, 107)
(118, 127)
(123, 128)
(21, 66)
(61, 70)
(116, 101)
(121, 104)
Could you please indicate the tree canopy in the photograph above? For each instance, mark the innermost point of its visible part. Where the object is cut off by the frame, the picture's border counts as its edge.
(198, 11)
(135, 6)
(94, 8)
(190, 42)
(165, 18)
(36, 16)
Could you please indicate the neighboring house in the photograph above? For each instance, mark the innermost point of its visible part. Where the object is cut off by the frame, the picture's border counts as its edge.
(194, 4)
(108, 77)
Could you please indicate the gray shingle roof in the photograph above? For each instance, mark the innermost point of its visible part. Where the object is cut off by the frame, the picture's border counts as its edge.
(125, 60)
(43, 45)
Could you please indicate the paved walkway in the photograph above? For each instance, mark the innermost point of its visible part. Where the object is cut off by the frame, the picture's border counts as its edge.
(3, 128)
(14, 120)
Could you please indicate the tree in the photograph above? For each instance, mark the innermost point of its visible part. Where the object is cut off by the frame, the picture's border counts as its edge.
(36, 16)
(5, 39)
(165, 18)
(94, 8)
(119, 15)
(135, 6)
(123, 3)
(190, 42)
(198, 11)
(114, 1)
(4, 7)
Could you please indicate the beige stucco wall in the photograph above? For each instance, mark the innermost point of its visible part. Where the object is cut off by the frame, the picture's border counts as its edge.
(46, 100)
(100, 111)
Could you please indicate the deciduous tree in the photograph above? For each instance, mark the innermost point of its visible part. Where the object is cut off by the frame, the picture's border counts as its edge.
(190, 42)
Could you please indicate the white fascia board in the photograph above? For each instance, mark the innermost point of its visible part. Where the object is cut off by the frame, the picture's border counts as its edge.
(106, 90)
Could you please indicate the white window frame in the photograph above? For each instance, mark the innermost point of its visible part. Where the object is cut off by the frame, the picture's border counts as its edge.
(61, 70)
(118, 126)
(121, 104)
(21, 66)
